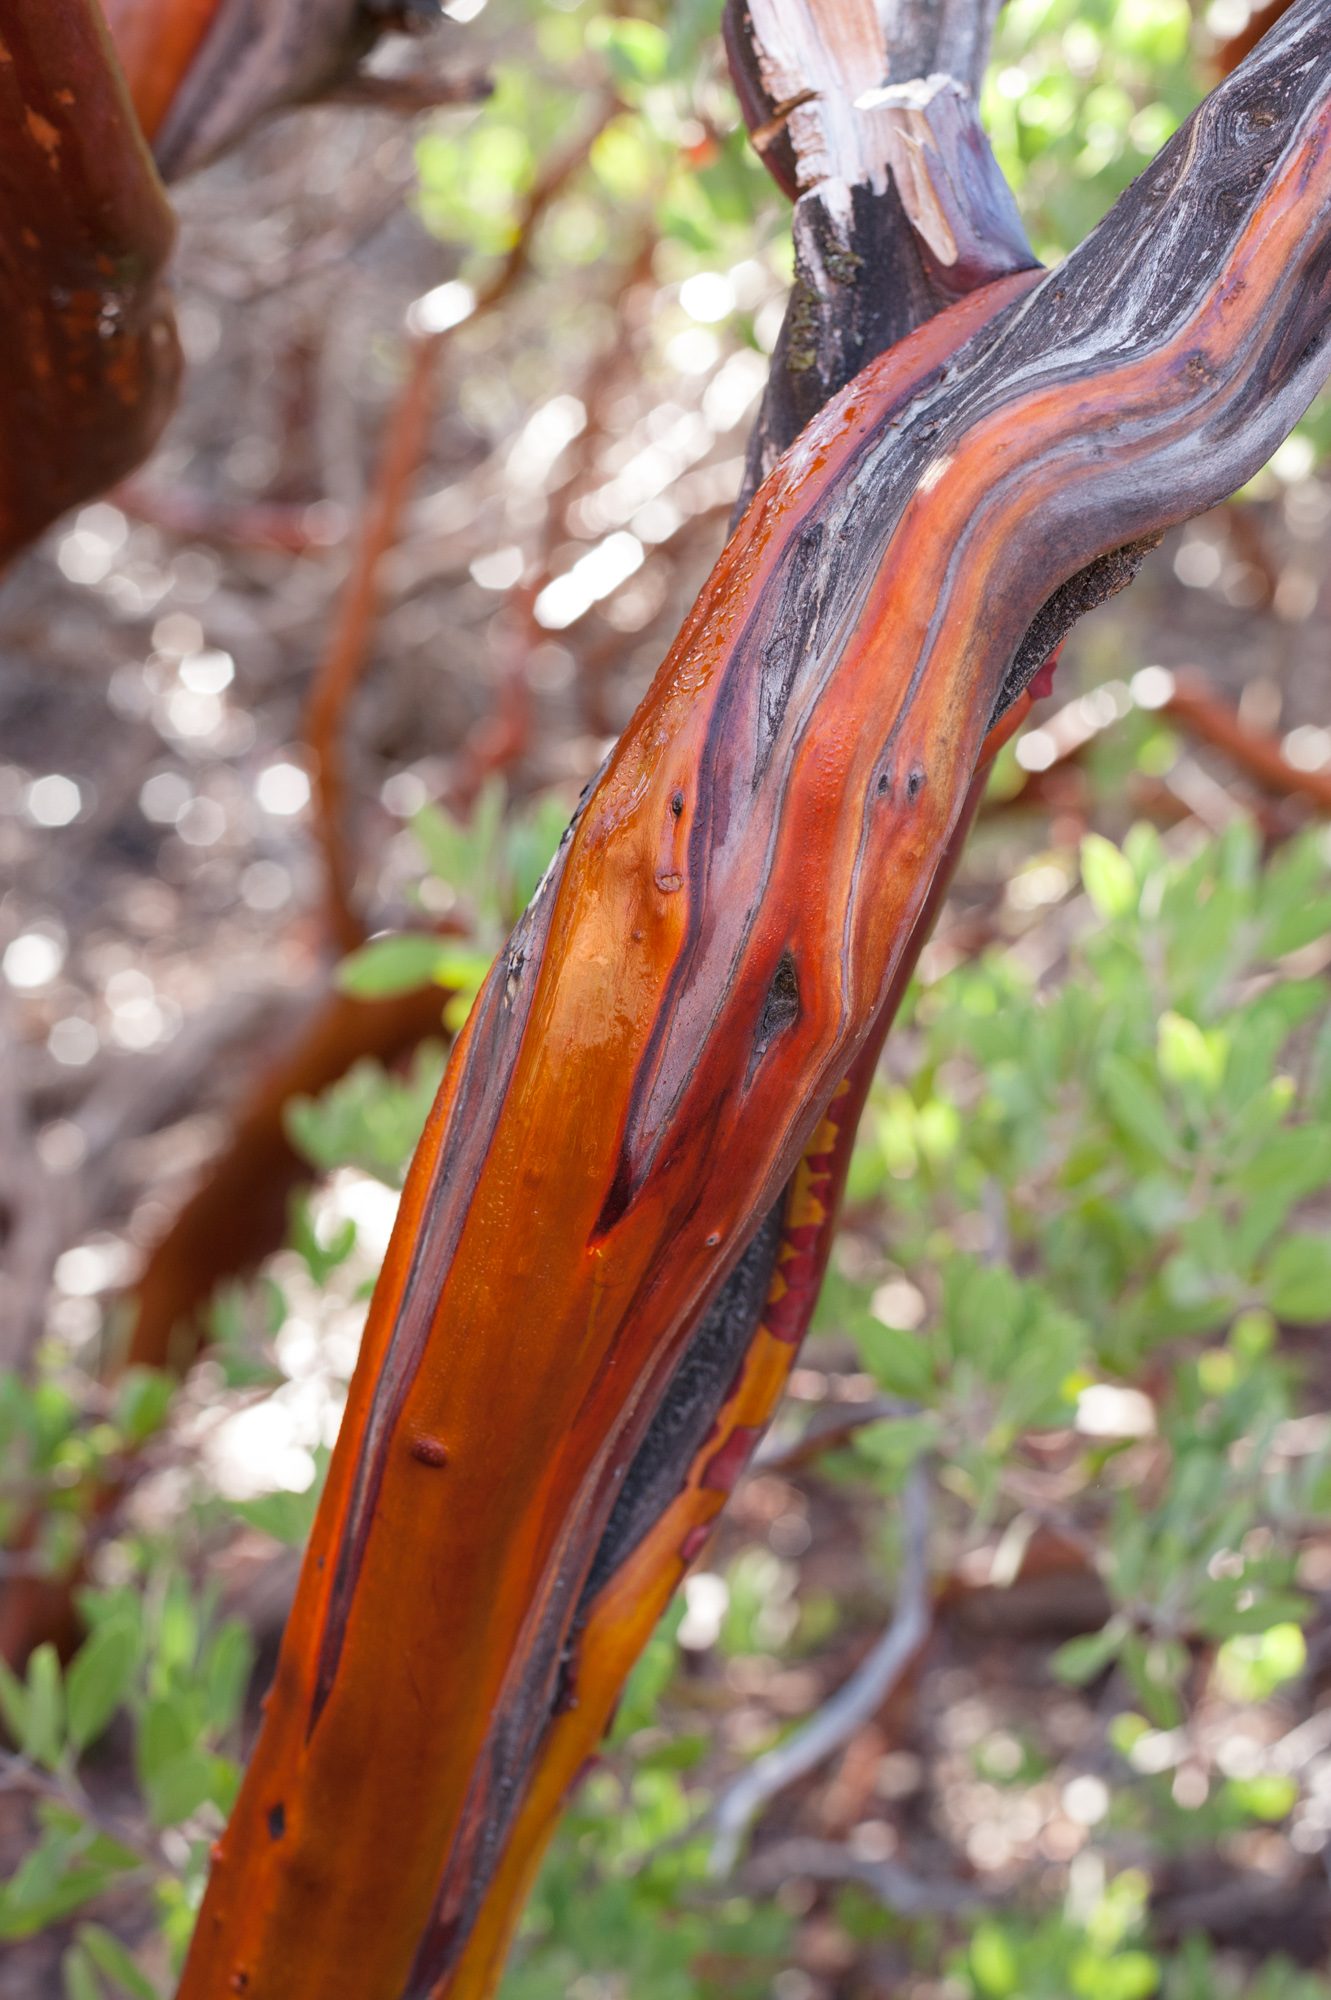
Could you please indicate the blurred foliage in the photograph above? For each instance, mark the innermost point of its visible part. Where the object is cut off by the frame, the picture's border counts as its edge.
(1135, 1145)
(1081, 95)
(486, 871)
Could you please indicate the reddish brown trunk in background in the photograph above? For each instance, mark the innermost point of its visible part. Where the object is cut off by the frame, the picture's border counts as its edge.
(88, 355)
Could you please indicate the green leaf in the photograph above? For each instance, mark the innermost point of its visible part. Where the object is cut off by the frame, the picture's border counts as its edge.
(13, 1703)
(69, 1865)
(43, 1738)
(99, 1678)
(1271, 1796)
(1301, 925)
(227, 1667)
(321, 1256)
(1297, 1281)
(1251, 1666)
(287, 1517)
(400, 962)
(447, 848)
(371, 1118)
(637, 51)
(1108, 876)
(111, 1958)
(463, 967)
(993, 1962)
(900, 1361)
(1187, 1054)
(1081, 1659)
(180, 1786)
(143, 1401)
(1137, 1107)
(80, 1975)
(1128, 1975)
(896, 1443)
(167, 1728)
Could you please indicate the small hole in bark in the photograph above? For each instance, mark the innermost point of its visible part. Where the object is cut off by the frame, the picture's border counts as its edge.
(677, 804)
(915, 783)
(780, 1009)
(884, 785)
(277, 1820)
(714, 1239)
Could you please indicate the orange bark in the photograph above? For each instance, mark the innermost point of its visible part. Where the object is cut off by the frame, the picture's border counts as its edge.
(621, 1618)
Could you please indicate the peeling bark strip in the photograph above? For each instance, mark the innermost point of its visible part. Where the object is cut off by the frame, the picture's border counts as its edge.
(88, 354)
(596, 1153)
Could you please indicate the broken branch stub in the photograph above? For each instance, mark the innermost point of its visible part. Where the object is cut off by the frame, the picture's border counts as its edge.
(602, 1143)
(900, 206)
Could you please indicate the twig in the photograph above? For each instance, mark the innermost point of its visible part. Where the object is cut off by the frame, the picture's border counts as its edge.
(20, 1774)
(89, 360)
(343, 663)
(1194, 708)
(896, 1888)
(827, 1430)
(292, 529)
(408, 95)
(1189, 702)
(852, 1705)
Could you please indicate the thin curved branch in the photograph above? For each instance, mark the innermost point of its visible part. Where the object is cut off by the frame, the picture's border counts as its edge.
(854, 1704)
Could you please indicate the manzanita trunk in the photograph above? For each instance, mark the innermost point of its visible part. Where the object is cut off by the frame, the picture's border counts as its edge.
(659, 1043)
(88, 354)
